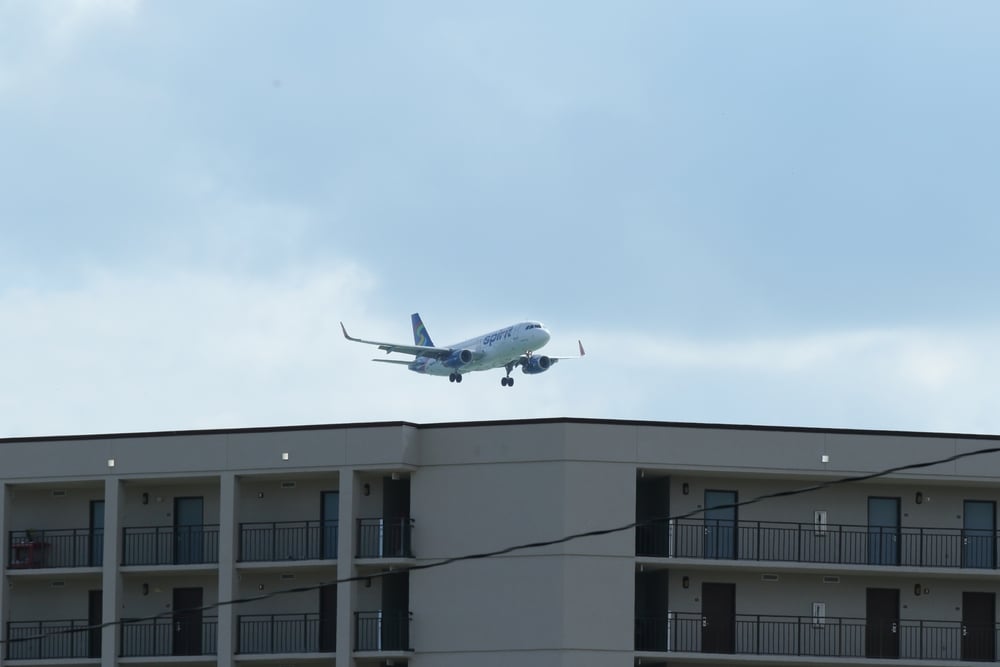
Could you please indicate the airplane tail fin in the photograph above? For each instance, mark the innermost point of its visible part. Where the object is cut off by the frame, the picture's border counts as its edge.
(420, 335)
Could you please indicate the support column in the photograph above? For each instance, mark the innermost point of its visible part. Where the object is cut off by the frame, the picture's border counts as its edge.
(229, 522)
(4, 590)
(110, 577)
(345, 567)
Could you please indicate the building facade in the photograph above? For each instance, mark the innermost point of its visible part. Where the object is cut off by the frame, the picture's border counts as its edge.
(226, 546)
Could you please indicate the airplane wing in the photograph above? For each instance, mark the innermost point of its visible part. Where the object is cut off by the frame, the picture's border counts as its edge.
(575, 356)
(554, 358)
(528, 361)
(416, 350)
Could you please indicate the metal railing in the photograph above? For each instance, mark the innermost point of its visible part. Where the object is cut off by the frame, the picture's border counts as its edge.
(812, 543)
(52, 640)
(385, 538)
(382, 631)
(168, 636)
(57, 547)
(170, 545)
(288, 540)
(830, 637)
(286, 633)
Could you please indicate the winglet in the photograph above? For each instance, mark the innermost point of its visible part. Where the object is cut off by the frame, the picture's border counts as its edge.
(344, 329)
(582, 353)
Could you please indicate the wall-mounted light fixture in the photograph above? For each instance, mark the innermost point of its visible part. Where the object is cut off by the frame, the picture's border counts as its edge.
(284, 456)
(685, 488)
(685, 582)
(145, 498)
(366, 489)
(917, 589)
(395, 476)
(368, 582)
(919, 498)
(260, 495)
(145, 588)
(111, 463)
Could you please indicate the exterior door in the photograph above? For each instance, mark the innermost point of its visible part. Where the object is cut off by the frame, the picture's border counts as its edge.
(189, 522)
(882, 623)
(187, 621)
(328, 618)
(979, 534)
(396, 517)
(652, 507)
(329, 511)
(718, 618)
(720, 524)
(95, 553)
(395, 635)
(883, 531)
(978, 623)
(95, 617)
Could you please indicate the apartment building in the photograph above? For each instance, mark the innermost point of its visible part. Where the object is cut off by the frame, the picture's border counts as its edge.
(226, 546)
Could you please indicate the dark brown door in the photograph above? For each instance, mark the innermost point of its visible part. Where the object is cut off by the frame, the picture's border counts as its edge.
(328, 618)
(95, 616)
(882, 623)
(978, 622)
(187, 621)
(718, 618)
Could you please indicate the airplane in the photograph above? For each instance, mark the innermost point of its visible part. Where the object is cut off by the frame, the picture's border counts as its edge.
(506, 348)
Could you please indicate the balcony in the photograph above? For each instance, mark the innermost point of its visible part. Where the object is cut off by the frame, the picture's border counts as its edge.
(168, 636)
(382, 631)
(812, 543)
(827, 637)
(385, 538)
(170, 545)
(63, 547)
(286, 633)
(52, 640)
(288, 541)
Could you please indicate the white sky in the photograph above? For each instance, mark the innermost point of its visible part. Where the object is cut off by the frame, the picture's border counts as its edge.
(750, 212)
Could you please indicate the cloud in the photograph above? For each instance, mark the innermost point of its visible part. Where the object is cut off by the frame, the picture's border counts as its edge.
(899, 378)
(198, 348)
(37, 36)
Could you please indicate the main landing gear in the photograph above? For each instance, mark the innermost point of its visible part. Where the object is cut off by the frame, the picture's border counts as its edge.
(455, 377)
(508, 381)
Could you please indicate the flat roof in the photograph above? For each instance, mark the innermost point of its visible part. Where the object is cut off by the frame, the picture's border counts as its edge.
(500, 422)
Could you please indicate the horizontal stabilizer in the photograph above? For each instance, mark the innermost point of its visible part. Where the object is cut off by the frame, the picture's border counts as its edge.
(393, 361)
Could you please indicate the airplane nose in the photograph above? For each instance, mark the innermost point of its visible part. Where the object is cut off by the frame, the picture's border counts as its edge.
(545, 335)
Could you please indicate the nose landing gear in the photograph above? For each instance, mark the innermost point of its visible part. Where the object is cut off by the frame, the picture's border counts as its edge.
(508, 381)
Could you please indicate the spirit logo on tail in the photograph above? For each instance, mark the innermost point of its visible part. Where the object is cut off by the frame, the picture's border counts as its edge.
(507, 348)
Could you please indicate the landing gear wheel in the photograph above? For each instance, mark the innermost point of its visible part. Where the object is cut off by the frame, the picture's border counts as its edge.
(458, 378)
(507, 382)
(451, 378)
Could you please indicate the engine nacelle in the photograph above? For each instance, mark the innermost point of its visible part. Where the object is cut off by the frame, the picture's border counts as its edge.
(534, 365)
(458, 359)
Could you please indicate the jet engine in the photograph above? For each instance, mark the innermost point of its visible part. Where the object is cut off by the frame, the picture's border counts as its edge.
(458, 358)
(533, 365)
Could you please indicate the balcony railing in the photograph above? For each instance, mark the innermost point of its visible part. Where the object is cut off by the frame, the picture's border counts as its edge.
(168, 636)
(382, 631)
(52, 640)
(812, 543)
(287, 633)
(824, 637)
(288, 540)
(170, 545)
(62, 547)
(385, 538)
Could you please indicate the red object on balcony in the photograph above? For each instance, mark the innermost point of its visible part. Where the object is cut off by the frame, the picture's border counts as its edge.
(28, 554)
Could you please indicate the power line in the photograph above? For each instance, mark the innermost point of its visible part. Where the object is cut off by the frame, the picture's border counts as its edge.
(523, 546)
